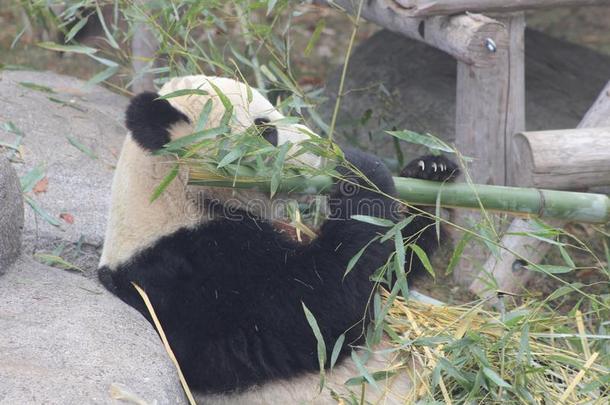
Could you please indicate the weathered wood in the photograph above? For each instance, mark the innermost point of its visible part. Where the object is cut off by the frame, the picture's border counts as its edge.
(599, 114)
(144, 48)
(564, 160)
(466, 37)
(425, 8)
(508, 275)
(490, 108)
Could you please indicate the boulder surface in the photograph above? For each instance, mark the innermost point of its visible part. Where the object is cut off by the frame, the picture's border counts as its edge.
(71, 133)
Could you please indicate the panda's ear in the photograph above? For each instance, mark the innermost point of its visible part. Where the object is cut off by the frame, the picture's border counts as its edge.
(149, 119)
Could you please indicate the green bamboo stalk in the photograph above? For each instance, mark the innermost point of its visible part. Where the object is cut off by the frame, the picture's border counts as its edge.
(572, 206)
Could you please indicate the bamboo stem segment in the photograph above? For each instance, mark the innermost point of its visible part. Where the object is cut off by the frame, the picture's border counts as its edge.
(531, 202)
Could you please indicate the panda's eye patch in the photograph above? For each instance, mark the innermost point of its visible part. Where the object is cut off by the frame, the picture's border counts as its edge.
(267, 131)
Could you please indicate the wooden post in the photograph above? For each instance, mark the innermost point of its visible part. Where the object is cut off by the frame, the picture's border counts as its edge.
(424, 8)
(490, 109)
(508, 275)
(144, 47)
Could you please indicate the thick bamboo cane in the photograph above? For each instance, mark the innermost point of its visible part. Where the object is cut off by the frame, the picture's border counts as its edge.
(531, 202)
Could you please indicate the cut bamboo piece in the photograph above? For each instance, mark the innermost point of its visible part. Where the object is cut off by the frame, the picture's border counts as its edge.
(565, 160)
(581, 207)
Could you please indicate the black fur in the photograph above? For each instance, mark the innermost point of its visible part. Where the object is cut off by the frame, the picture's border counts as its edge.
(269, 132)
(149, 119)
(422, 230)
(229, 293)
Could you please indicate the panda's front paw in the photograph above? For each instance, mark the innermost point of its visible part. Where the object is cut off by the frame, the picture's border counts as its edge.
(436, 168)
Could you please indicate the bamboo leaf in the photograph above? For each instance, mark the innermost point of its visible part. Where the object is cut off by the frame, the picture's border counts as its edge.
(336, 350)
(278, 165)
(452, 371)
(423, 257)
(195, 137)
(40, 211)
(313, 324)
(76, 29)
(52, 46)
(9, 126)
(204, 116)
(16, 39)
(373, 220)
(427, 140)
(354, 260)
(109, 36)
(563, 290)
(363, 371)
(315, 36)
(226, 117)
(549, 268)
(376, 376)
(457, 253)
(103, 75)
(29, 180)
(231, 157)
(495, 378)
(566, 256)
(184, 92)
(54, 260)
(80, 146)
(399, 250)
(167, 180)
(37, 87)
(398, 227)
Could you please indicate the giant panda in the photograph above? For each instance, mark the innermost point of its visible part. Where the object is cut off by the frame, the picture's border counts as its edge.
(229, 290)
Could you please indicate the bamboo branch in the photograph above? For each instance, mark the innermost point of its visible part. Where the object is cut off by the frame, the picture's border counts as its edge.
(531, 202)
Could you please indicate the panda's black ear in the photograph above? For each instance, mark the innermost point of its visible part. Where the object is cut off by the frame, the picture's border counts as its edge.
(149, 119)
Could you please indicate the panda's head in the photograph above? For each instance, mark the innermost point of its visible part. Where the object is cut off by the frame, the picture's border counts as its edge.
(154, 122)
(135, 222)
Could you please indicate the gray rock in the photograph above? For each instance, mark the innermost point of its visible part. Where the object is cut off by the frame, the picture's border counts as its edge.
(62, 111)
(402, 83)
(11, 215)
(66, 340)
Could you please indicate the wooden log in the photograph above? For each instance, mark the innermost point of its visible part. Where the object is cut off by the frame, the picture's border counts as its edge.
(473, 39)
(490, 108)
(564, 160)
(505, 270)
(426, 8)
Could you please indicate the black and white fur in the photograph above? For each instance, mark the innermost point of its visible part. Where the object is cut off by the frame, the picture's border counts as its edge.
(229, 292)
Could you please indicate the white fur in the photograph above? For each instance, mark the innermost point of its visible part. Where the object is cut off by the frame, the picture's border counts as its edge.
(305, 389)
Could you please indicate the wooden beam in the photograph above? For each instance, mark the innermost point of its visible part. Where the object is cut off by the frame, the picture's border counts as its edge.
(490, 108)
(426, 8)
(472, 39)
(570, 159)
(506, 270)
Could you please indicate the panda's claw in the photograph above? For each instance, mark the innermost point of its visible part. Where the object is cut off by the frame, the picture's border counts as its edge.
(436, 168)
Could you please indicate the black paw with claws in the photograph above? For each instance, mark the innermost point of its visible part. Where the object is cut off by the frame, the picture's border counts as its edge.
(436, 168)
